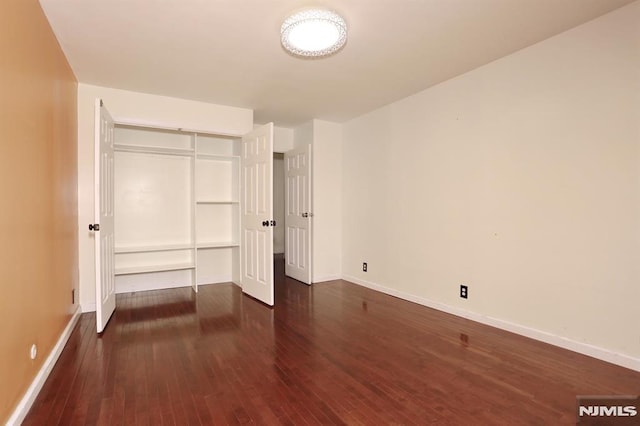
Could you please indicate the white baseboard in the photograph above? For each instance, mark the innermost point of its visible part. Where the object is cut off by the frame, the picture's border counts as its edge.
(215, 282)
(36, 385)
(543, 336)
(153, 281)
(325, 278)
(214, 279)
(88, 307)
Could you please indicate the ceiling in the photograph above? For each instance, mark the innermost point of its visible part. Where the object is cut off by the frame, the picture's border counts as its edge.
(228, 51)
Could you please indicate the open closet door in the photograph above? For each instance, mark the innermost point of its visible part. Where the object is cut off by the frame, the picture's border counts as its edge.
(256, 264)
(298, 214)
(104, 225)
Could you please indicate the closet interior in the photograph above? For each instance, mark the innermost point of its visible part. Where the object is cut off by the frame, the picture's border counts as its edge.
(177, 210)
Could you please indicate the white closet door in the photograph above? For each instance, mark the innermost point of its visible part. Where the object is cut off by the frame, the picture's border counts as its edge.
(256, 275)
(298, 214)
(104, 223)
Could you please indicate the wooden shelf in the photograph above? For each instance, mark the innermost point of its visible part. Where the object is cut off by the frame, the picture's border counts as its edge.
(155, 248)
(214, 245)
(154, 150)
(154, 268)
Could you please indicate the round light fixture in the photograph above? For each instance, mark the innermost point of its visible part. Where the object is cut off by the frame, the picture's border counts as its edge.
(313, 33)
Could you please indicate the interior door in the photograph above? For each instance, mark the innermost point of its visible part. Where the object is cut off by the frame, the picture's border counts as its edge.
(256, 274)
(298, 214)
(104, 224)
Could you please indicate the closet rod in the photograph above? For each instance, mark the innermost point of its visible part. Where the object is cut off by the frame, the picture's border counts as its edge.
(154, 150)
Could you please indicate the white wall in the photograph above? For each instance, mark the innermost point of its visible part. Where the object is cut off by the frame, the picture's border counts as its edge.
(327, 201)
(520, 179)
(282, 139)
(127, 106)
(303, 134)
(326, 204)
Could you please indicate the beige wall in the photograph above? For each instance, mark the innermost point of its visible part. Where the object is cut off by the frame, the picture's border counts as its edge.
(38, 170)
(520, 179)
(139, 108)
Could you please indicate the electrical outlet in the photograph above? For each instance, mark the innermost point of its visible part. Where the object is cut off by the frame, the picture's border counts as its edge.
(364, 266)
(464, 291)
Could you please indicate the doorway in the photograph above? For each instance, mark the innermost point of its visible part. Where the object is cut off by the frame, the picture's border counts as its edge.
(278, 203)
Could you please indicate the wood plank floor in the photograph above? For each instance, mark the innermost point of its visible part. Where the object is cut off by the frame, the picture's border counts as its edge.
(332, 353)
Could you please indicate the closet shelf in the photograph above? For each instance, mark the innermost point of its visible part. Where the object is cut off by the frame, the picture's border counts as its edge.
(216, 202)
(153, 248)
(153, 268)
(205, 156)
(184, 152)
(213, 245)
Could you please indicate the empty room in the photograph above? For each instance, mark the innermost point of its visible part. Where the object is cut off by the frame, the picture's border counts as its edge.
(364, 213)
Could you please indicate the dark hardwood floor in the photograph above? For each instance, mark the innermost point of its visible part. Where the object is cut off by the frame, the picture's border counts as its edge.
(332, 353)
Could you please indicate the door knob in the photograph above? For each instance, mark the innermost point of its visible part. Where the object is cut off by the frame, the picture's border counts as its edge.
(305, 214)
(265, 223)
(94, 227)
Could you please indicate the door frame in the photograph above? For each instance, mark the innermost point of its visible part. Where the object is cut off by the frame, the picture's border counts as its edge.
(161, 126)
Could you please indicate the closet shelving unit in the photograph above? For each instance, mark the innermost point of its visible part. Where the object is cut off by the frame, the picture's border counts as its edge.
(217, 206)
(176, 208)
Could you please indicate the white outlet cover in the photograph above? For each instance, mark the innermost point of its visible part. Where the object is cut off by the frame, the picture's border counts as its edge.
(34, 351)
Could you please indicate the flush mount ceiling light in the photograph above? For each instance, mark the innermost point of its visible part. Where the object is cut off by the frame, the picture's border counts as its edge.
(313, 33)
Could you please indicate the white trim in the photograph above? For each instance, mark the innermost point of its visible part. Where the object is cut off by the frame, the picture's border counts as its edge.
(131, 287)
(30, 395)
(324, 278)
(218, 281)
(214, 279)
(88, 307)
(120, 121)
(543, 336)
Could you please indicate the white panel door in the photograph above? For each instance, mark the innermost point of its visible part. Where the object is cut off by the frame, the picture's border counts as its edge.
(104, 223)
(298, 214)
(256, 264)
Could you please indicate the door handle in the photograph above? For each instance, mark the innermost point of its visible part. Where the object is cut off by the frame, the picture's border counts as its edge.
(265, 223)
(94, 227)
(305, 214)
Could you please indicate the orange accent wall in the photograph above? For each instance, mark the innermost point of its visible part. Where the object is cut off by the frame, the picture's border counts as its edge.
(38, 195)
